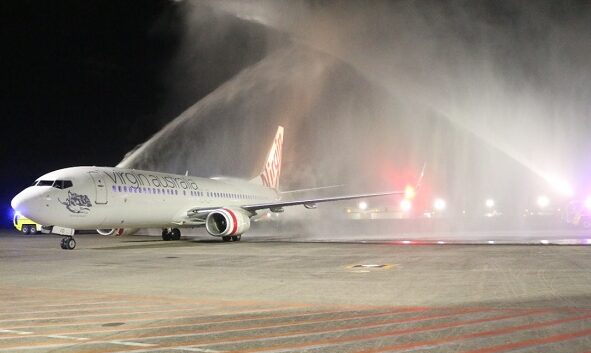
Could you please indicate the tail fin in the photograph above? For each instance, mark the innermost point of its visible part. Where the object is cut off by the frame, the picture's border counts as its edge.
(272, 169)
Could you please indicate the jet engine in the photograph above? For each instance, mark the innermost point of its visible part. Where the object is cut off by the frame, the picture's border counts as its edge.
(117, 231)
(226, 222)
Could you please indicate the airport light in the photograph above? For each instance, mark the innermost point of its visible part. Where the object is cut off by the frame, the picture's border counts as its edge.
(362, 205)
(405, 205)
(439, 204)
(490, 203)
(409, 192)
(543, 201)
(560, 185)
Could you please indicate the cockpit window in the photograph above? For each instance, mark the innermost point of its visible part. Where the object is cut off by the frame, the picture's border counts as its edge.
(62, 184)
(58, 184)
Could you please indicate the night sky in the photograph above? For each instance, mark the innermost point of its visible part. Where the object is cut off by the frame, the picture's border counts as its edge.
(86, 81)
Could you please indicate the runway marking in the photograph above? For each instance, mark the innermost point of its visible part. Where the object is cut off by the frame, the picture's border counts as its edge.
(67, 305)
(89, 309)
(301, 333)
(533, 342)
(272, 326)
(66, 337)
(242, 320)
(195, 349)
(17, 332)
(490, 333)
(134, 344)
(305, 333)
(100, 315)
(152, 318)
(330, 341)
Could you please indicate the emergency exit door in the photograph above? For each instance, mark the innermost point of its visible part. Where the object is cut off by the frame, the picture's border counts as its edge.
(100, 187)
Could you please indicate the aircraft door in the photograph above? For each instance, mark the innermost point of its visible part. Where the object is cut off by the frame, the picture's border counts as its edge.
(100, 187)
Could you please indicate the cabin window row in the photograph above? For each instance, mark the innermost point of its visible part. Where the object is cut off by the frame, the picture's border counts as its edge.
(159, 191)
(143, 190)
(230, 195)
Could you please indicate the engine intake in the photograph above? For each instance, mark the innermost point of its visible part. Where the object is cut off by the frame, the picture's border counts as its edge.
(226, 222)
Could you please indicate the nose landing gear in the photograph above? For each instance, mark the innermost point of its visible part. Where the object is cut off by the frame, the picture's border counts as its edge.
(171, 234)
(68, 243)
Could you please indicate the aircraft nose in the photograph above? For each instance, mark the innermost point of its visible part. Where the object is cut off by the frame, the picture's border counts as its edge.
(25, 203)
(17, 201)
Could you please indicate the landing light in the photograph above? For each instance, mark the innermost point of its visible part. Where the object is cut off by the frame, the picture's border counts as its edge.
(362, 205)
(490, 203)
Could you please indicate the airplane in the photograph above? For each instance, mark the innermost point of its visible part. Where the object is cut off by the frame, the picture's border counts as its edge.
(119, 201)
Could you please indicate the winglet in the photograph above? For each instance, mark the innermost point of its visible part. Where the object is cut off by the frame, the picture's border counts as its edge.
(418, 186)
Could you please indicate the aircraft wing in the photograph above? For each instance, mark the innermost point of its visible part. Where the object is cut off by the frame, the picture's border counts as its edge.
(277, 206)
(199, 213)
(311, 203)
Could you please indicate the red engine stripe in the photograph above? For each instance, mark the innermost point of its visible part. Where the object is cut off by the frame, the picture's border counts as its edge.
(234, 220)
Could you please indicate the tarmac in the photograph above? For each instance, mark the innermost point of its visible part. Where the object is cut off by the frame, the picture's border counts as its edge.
(293, 294)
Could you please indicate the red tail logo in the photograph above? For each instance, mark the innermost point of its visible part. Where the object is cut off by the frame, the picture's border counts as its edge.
(272, 169)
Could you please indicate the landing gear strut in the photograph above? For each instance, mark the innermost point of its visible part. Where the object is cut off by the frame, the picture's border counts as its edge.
(171, 234)
(68, 243)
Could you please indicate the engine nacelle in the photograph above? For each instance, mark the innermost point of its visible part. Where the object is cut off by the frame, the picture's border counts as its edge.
(227, 222)
(117, 231)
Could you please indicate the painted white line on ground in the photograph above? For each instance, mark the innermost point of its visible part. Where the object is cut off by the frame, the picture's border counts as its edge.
(195, 349)
(68, 337)
(17, 332)
(135, 344)
(236, 320)
(121, 313)
(61, 305)
(171, 318)
(116, 307)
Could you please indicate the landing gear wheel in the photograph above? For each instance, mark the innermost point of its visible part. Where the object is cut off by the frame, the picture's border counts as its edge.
(33, 229)
(25, 229)
(227, 238)
(166, 235)
(68, 243)
(236, 237)
(175, 234)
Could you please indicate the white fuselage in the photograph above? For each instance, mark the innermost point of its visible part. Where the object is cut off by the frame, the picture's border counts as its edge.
(102, 197)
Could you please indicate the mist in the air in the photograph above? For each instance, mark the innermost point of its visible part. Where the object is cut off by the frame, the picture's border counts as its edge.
(493, 96)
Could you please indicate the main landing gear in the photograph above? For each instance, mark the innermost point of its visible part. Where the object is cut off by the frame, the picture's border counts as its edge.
(232, 238)
(171, 234)
(68, 243)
